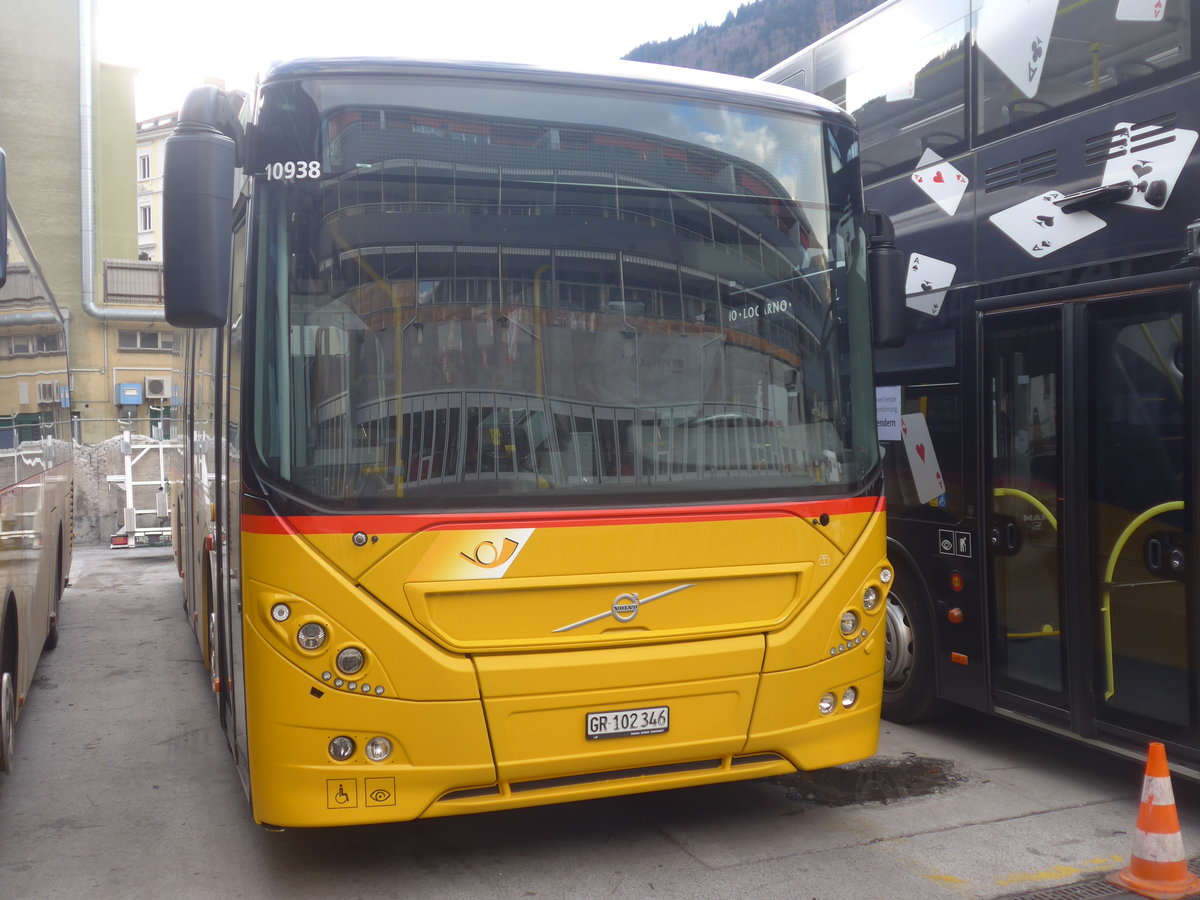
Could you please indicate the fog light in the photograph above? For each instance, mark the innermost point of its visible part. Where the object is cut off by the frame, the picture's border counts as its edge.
(871, 598)
(828, 702)
(341, 748)
(849, 697)
(350, 661)
(280, 612)
(379, 749)
(311, 635)
(849, 622)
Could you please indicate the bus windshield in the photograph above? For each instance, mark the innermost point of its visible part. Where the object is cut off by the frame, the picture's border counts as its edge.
(466, 292)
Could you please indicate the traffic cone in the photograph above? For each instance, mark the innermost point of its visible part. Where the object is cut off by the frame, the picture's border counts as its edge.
(1157, 867)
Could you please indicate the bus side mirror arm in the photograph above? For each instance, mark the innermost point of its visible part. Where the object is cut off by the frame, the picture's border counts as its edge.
(885, 275)
(1107, 194)
(198, 178)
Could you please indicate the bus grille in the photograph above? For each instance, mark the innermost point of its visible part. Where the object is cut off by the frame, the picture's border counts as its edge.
(1029, 168)
(545, 784)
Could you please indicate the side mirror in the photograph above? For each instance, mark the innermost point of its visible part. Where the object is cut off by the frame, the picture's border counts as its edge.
(885, 275)
(198, 177)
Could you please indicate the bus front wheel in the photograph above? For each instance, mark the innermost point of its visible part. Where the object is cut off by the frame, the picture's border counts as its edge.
(909, 683)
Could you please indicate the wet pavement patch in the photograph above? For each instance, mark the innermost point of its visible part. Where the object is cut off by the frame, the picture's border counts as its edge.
(877, 780)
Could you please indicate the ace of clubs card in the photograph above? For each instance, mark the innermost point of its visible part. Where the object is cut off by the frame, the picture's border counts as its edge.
(1015, 35)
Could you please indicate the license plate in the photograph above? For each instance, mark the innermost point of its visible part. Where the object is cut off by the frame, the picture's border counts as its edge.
(628, 722)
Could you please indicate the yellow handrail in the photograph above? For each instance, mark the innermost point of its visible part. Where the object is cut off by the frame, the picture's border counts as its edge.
(1031, 500)
(1042, 508)
(1105, 611)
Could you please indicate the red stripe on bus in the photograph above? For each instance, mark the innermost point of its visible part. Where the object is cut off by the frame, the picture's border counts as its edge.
(410, 524)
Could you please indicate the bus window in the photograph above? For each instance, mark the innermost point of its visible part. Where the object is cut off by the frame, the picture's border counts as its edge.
(941, 409)
(902, 75)
(1091, 52)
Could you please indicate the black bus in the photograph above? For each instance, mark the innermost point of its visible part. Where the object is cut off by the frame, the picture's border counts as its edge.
(1038, 161)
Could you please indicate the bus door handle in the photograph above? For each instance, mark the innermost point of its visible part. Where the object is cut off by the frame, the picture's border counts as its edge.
(1165, 555)
(1005, 536)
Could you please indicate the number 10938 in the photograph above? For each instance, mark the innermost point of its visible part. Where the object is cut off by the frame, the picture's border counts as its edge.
(293, 170)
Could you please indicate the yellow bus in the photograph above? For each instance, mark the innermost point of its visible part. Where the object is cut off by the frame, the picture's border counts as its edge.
(531, 446)
(36, 470)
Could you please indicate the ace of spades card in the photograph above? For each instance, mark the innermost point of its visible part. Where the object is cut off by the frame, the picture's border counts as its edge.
(1141, 10)
(1039, 227)
(1163, 162)
(927, 281)
(940, 181)
(1015, 35)
(922, 460)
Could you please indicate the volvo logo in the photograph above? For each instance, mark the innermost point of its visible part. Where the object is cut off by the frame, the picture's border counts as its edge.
(624, 607)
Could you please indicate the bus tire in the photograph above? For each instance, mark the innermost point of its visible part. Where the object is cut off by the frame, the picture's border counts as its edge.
(8, 722)
(909, 680)
(55, 601)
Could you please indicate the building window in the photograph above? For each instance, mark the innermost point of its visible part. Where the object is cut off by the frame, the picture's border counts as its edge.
(145, 221)
(143, 166)
(145, 340)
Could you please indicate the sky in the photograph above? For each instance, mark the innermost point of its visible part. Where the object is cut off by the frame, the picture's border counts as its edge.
(176, 45)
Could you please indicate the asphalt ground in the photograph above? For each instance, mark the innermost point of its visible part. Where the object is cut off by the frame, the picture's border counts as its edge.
(124, 788)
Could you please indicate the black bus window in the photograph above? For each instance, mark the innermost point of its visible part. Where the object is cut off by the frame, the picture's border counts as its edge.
(902, 74)
(1072, 55)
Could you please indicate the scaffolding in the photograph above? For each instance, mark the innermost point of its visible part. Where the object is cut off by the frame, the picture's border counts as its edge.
(148, 526)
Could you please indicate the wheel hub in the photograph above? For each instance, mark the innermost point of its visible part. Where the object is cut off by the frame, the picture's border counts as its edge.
(898, 653)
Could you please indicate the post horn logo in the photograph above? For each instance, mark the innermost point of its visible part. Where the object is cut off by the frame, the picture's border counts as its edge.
(487, 556)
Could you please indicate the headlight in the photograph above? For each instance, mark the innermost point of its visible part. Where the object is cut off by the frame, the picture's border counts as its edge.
(828, 702)
(871, 598)
(280, 612)
(849, 697)
(350, 660)
(341, 748)
(849, 622)
(311, 635)
(885, 575)
(379, 749)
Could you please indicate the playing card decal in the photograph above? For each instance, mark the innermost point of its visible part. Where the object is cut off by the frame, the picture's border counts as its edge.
(1162, 162)
(940, 181)
(1040, 228)
(927, 281)
(922, 460)
(1015, 35)
(1141, 10)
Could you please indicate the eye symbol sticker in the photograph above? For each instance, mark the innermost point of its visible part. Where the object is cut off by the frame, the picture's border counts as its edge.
(379, 795)
(487, 556)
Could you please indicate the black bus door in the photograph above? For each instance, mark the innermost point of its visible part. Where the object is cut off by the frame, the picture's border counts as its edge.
(1087, 430)
(1023, 528)
(1140, 542)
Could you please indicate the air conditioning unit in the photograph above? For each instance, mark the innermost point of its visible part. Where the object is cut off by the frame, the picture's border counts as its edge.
(158, 387)
(47, 392)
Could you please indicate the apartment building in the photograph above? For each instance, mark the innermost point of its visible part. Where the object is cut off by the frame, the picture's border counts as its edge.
(65, 125)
